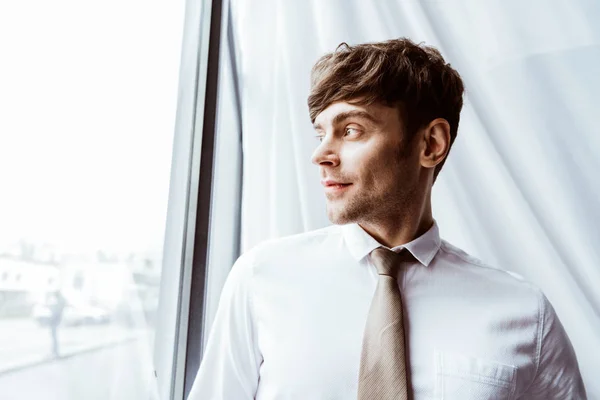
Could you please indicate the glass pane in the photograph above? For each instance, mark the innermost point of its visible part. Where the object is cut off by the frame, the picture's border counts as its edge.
(88, 94)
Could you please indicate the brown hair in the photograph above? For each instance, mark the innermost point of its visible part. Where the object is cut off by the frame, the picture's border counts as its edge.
(397, 72)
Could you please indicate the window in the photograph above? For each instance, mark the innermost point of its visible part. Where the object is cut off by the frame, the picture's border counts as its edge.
(88, 99)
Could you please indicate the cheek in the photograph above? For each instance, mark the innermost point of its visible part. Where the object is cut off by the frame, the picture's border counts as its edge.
(367, 165)
(358, 162)
(383, 169)
(358, 156)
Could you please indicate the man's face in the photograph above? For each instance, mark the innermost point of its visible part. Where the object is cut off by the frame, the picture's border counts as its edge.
(364, 148)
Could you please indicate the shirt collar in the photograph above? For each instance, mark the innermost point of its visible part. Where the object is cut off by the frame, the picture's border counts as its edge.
(423, 248)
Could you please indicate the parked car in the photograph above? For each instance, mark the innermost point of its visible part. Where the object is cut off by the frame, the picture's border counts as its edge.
(42, 314)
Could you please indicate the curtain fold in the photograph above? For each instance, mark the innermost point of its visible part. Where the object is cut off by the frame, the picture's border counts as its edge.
(520, 188)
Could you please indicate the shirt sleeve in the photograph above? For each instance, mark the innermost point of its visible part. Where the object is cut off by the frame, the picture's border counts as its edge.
(230, 365)
(558, 375)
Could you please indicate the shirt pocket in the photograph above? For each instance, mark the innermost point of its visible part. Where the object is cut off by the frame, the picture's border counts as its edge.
(458, 376)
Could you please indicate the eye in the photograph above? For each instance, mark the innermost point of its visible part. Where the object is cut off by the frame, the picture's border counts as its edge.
(319, 138)
(350, 129)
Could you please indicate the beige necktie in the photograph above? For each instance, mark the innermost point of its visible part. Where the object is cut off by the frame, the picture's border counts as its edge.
(383, 367)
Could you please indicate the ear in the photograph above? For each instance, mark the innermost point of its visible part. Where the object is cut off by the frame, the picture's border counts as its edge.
(436, 143)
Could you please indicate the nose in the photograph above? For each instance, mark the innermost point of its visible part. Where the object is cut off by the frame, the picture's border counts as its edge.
(326, 154)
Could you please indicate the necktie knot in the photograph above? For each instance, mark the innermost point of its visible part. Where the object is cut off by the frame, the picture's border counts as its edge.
(388, 262)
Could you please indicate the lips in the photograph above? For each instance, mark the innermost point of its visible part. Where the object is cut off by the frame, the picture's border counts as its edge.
(329, 183)
(337, 188)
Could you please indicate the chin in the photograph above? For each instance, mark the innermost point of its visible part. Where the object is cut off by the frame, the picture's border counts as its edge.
(339, 216)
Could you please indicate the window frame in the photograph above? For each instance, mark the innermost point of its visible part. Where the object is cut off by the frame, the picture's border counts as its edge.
(179, 333)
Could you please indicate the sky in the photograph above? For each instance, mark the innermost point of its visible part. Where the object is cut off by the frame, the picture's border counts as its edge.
(88, 96)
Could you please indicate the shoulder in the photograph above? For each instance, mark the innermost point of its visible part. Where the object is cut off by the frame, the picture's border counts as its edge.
(486, 276)
(290, 247)
(294, 244)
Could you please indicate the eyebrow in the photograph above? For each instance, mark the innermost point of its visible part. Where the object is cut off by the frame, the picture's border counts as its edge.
(350, 114)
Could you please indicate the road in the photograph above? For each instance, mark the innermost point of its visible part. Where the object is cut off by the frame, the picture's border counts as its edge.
(104, 362)
(118, 372)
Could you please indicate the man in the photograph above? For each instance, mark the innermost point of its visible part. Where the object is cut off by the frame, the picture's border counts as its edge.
(377, 306)
(56, 304)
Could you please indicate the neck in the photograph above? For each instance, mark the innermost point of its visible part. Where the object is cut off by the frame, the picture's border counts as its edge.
(400, 228)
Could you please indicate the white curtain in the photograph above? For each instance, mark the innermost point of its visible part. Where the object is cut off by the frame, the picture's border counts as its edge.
(520, 189)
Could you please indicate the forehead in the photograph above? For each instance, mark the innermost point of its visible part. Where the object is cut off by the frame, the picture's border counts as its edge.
(340, 111)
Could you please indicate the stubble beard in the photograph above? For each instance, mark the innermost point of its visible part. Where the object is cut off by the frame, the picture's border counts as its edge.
(366, 208)
(375, 203)
(341, 211)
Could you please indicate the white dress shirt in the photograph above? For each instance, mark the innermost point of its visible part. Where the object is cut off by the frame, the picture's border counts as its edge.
(292, 314)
